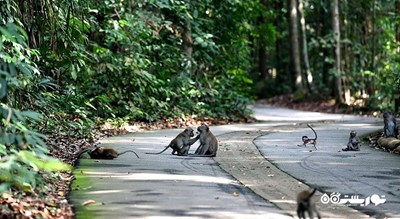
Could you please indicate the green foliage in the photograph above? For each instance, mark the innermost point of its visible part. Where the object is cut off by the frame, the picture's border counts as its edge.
(115, 59)
(20, 169)
(22, 150)
(139, 47)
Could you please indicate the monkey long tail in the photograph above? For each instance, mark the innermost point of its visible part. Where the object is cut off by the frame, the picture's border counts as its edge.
(199, 155)
(315, 133)
(312, 193)
(82, 151)
(129, 151)
(160, 151)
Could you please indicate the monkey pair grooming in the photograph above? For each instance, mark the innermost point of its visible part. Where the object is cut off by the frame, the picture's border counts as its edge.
(306, 204)
(306, 140)
(103, 153)
(182, 142)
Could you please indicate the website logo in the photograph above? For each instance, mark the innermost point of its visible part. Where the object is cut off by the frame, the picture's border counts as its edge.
(352, 200)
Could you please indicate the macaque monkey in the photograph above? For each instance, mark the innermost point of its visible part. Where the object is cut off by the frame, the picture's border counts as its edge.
(306, 204)
(181, 143)
(390, 125)
(306, 140)
(208, 143)
(103, 153)
(354, 142)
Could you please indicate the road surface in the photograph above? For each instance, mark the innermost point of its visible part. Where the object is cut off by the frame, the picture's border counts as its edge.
(257, 173)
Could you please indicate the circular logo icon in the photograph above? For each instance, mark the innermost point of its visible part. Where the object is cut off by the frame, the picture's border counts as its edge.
(325, 199)
(335, 198)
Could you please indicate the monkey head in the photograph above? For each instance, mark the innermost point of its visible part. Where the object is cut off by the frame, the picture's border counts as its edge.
(386, 114)
(189, 131)
(304, 138)
(203, 128)
(353, 134)
(95, 152)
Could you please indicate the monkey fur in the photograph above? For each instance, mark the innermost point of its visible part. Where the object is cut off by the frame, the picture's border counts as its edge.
(103, 153)
(208, 143)
(354, 142)
(181, 143)
(306, 204)
(390, 125)
(306, 140)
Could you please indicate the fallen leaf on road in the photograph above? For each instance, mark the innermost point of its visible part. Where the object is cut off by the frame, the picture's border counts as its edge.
(88, 202)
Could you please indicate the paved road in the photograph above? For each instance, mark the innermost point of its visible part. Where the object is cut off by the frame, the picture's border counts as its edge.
(365, 173)
(166, 186)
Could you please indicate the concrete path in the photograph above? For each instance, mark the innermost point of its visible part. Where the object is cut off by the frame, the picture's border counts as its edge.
(243, 181)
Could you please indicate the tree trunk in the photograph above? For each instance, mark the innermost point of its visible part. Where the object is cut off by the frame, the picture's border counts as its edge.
(262, 48)
(187, 47)
(262, 60)
(371, 85)
(294, 42)
(283, 75)
(187, 40)
(307, 71)
(345, 56)
(397, 92)
(337, 82)
(323, 30)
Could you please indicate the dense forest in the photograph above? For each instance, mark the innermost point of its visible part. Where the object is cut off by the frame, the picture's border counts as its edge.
(66, 67)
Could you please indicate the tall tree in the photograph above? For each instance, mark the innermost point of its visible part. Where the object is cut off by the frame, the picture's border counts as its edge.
(345, 54)
(397, 40)
(294, 42)
(371, 86)
(337, 82)
(262, 49)
(187, 40)
(307, 71)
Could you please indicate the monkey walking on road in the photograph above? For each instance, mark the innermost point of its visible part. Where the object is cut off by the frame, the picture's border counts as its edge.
(208, 143)
(306, 204)
(181, 143)
(306, 140)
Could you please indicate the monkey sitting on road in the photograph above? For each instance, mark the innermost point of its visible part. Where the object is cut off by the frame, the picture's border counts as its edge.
(103, 153)
(181, 143)
(306, 204)
(354, 142)
(389, 125)
(306, 140)
(208, 143)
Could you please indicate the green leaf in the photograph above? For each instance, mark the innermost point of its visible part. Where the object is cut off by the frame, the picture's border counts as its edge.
(44, 163)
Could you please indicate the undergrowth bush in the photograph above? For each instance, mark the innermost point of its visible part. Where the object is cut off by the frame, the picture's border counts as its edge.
(23, 153)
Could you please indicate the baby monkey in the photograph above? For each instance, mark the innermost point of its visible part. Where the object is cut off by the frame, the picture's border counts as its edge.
(306, 140)
(306, 204)
(354, 142)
